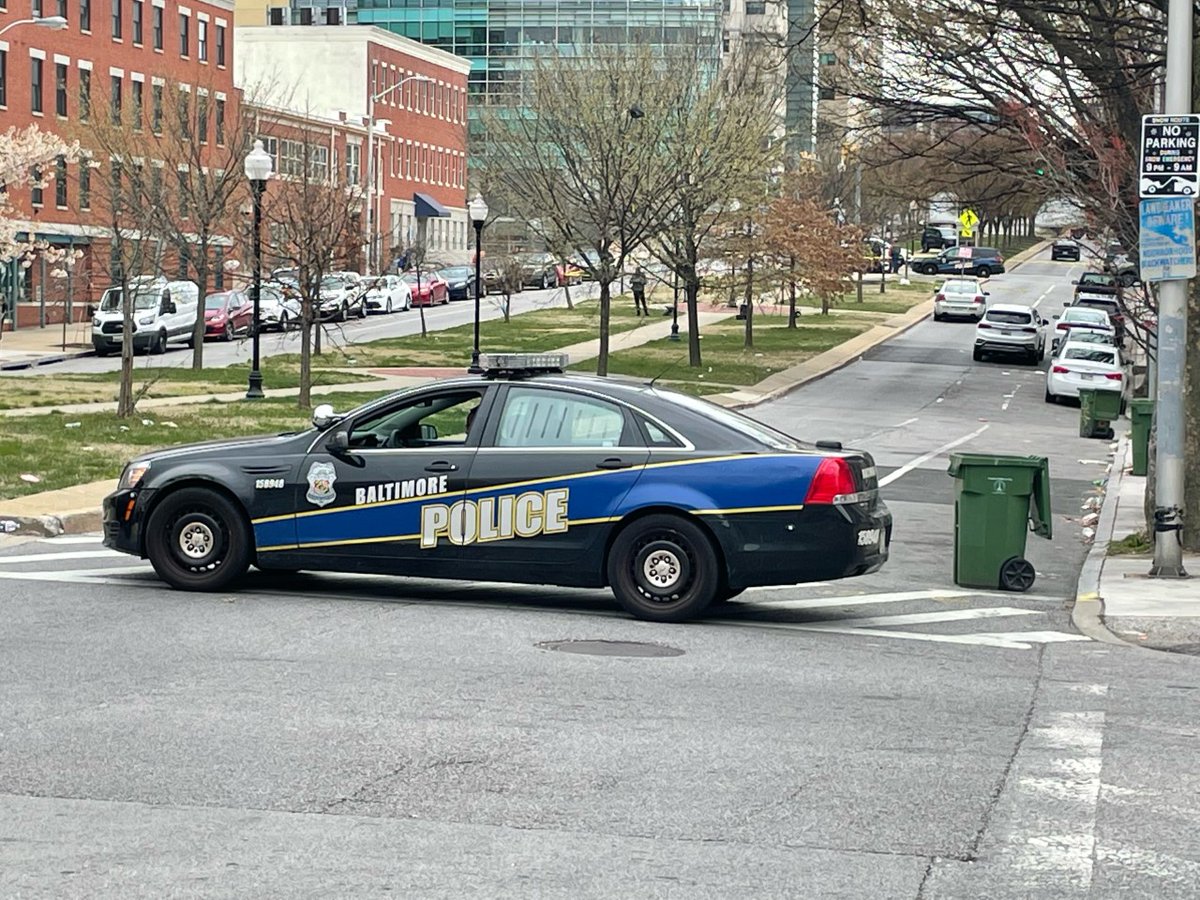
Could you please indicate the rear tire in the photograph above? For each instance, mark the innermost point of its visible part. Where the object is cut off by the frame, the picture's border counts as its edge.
(1050, 398)
(663, 568)
(938, 317)
(197, 540)
(983, 272)
(977, 355)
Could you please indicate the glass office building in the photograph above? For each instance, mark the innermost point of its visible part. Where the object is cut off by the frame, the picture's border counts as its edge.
(500, 36)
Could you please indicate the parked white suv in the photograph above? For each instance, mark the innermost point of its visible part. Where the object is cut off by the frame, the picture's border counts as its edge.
(1011, 330)
(163, 311)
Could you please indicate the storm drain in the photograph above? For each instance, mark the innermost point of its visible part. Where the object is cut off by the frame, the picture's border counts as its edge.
(611, 648)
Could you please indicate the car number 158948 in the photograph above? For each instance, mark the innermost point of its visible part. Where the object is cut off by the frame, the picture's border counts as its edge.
(868, 537)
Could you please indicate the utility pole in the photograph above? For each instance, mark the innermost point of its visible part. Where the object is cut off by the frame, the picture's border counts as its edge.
(1172, 335)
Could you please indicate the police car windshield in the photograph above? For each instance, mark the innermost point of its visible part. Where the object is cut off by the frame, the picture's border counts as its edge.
(144, 299)
(776, 440)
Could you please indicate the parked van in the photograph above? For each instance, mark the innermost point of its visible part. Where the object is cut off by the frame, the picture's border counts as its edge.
(163, 311)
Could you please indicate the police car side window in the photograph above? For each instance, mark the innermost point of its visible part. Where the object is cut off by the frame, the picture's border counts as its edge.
(655, 436)
(539, 418)
(440, 420)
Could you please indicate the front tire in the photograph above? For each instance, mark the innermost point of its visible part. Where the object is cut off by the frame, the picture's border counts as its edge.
(159, 346)
(197, 540)
(387, 307)
(227, 334)
(663, 568)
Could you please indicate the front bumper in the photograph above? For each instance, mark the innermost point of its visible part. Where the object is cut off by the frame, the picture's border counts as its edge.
(124, 519)
(141, 340)
(459, 293)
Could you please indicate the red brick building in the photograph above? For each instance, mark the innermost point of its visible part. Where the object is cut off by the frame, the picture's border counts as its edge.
(110, 48)
(330, 73)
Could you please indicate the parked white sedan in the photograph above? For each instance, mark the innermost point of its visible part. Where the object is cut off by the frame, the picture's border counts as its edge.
(959, 297)
(1084, 365)
(387, 294)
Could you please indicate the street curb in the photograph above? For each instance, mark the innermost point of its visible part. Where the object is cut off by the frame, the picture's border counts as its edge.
(43, 360)
(1087, 614)
(83, 521)
(927, 309)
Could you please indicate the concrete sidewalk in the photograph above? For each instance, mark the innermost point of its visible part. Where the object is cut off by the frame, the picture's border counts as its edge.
(1163, 613)
(32, 347)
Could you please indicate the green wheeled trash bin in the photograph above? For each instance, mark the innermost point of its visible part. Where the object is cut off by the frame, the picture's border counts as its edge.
(1141, 414)
(998, 499)
(1097, 410)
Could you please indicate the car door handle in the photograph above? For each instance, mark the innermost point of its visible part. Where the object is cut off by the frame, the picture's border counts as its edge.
(441, 466)
(614, 462)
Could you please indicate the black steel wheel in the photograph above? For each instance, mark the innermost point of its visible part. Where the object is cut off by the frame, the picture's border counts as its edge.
(983, 271)
(1017, 574)
(198, 540)
(663, 568)
(160, 343)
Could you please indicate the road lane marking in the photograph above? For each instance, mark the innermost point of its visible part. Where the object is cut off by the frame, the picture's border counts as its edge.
(1045, 293)
(70, 539)
(855, 599)
(59, 557)
(924, 458)
(1008, 399)
(81, 576)
(946, 615)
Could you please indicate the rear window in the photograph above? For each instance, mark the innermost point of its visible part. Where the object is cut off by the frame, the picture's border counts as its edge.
(960, 287)
(1096, 303)
(985, 251)
(1080, 314)
(1089, 354)
(1006, 317)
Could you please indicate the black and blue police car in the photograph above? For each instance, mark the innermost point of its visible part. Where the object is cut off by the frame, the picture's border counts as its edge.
(519, 474)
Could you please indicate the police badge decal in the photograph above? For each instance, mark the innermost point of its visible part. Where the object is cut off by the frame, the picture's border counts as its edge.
(321, 476)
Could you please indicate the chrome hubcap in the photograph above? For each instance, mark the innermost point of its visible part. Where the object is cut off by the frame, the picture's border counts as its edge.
(196, 540)
(661, 568)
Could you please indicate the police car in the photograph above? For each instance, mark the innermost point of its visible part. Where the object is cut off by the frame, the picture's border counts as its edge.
(519, 474)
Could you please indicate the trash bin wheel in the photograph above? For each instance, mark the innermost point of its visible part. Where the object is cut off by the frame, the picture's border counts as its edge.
(1017, 574)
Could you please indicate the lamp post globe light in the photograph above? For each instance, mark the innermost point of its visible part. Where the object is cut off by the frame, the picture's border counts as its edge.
(54, 23)
(478, 210)
(258, 170)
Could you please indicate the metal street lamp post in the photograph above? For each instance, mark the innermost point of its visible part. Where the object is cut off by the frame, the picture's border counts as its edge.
(478, 210)
(54, 23)
(369, 218)
(675, 298)
(258, 170)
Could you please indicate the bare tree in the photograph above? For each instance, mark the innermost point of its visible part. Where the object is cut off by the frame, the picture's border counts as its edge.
(579, 162)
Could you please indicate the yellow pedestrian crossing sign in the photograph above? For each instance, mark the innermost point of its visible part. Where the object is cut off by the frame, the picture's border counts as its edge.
(968, 220)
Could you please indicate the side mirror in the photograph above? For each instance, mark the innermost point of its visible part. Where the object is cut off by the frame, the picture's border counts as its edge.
(1076, 281)
(1054, 317)
(987, 293)
(338, 443)
(428, 432)
(324, 416)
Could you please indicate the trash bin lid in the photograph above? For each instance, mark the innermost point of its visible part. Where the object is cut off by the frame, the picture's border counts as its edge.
(959, 461)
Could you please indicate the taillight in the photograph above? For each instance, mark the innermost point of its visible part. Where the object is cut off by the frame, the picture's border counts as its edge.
(984, 325)
(1028, 329)
(833, 480)
(1063, 326)
(1060, 370)
(979, 298)
(939, 298)
(1114, 376)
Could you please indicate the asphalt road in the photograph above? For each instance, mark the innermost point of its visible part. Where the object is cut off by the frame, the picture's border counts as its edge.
(890, 736)
(336, 335)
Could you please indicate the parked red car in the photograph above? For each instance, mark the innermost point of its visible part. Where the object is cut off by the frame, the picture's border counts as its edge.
(227, 314)
(434, 289)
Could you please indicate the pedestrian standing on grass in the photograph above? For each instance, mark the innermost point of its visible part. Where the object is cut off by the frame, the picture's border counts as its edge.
(638, 283)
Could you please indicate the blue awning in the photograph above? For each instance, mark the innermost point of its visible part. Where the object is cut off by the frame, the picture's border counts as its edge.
(428, 208)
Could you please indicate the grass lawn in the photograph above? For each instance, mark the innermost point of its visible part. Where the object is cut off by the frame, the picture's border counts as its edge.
(727, 363)
(174, 381)
(101, 443)
(531, 332)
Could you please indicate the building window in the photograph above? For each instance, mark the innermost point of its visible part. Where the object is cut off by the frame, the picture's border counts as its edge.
(219, 120)
(184, 43)
(62, 7)
(36, 7)
(184, 261)
(826, 93)
(85, 183)
(155, 182)
(756, 8)
(138, 102)
(157, 14)
(60, 181)
(115, 100)
(35, 85)
(85, 15)
(114, 263)
(3, 78)
(271, 145)
(116, 19)
(185, 119)
(85, 94)
(202, 40)
(156, 108)
(36, 195)
(60, 89)
(827, 59)
(318, 163)
(139, 8)
(220, 45)
(353, 162)
(202, 118)
(219, 268)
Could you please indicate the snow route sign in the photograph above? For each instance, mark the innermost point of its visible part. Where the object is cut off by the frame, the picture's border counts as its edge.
(1170, 153)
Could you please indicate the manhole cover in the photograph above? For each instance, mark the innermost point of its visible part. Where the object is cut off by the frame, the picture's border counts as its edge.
(611, 648)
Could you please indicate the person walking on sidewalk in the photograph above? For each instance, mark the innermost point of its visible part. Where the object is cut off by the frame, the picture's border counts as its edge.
(638, 283)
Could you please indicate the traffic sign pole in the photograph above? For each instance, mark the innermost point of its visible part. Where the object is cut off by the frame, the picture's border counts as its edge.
(1172, 335)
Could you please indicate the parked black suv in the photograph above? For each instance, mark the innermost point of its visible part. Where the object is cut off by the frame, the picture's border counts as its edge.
(981, 261)
(935, 237)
